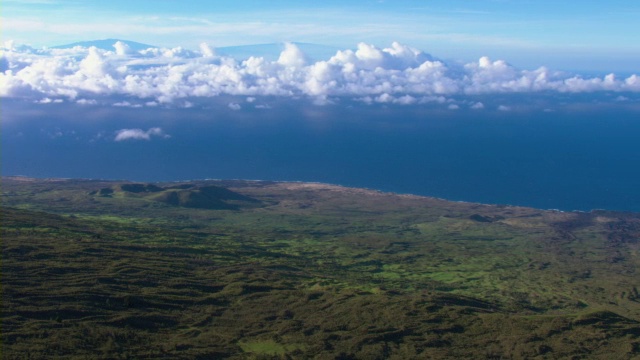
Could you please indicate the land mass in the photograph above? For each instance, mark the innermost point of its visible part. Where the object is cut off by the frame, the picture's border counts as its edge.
(253, 269)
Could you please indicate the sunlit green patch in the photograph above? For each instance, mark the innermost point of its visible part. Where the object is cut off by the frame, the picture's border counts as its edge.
(115, 219)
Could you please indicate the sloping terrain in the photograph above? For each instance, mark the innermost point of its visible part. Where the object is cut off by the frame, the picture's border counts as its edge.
(185, 195)
(314, 271)
(205, 197)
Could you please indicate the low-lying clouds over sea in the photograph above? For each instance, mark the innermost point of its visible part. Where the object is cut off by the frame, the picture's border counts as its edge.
(177, 77)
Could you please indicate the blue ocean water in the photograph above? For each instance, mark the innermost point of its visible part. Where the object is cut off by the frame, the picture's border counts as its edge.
(571, 159)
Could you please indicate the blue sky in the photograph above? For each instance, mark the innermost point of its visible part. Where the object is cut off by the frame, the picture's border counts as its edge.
(586, 35)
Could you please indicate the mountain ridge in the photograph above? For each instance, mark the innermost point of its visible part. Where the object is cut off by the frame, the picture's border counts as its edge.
(269, 51)
(105, 44)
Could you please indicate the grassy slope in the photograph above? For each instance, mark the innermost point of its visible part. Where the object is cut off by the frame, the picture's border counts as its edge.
(315, 271)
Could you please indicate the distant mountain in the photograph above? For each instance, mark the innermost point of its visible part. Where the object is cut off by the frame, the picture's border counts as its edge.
(272, 51)
(106, 44)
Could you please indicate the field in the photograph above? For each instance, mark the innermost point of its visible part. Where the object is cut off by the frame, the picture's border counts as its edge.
(266, 270)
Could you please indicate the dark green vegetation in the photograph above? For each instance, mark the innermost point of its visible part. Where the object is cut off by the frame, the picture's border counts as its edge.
(239, 269)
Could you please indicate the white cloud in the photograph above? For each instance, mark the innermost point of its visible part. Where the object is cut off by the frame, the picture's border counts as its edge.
(406, 100)
(49, 101)
(234, 106)
(292, 56)
(396, 75)
(477, 106)
(139, 134)
(86, 102)
(123, 104)
(207, 51)
(122, 48)
(504, 108)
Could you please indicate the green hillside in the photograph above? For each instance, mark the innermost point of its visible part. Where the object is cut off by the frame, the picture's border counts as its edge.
(242, 269)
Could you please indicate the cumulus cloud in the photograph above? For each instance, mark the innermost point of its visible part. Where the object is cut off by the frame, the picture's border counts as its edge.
(86, 102)
(139, 134)
(398, 74)
(49, 101)
(477, 106)
(206, 50)
(292, 56)
(126, 104)
(122, 48)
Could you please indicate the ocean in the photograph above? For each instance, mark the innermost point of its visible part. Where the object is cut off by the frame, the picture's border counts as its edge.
(569, 158)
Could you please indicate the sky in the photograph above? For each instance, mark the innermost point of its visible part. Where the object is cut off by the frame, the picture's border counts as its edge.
(587, 36)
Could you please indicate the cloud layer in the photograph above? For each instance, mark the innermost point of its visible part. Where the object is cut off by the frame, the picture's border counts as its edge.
(398, 74)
